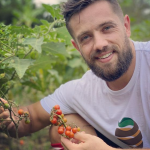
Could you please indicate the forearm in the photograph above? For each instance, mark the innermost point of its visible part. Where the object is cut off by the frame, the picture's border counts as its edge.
(136, 149)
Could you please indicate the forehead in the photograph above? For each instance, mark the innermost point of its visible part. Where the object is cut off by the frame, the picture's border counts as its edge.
(96, 13)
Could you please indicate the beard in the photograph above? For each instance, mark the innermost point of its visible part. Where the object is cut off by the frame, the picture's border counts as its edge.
(111, 72)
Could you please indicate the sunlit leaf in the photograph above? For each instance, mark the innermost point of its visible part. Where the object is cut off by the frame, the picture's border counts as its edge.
(64, 34)
(20, 65)
(55, 48)
(35, 43)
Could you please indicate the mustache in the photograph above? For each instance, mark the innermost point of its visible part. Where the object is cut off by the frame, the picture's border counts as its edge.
(104, 49)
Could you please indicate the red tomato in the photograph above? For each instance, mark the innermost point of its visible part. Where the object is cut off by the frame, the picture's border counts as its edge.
(59, 112)
(56, 107)
(60, 130)
(67, 133)
(62, 127)
(20, 112)
(68, 128)
(54, 121)
(71, 135)
(21, 142)
(74, 130)
(55, 116)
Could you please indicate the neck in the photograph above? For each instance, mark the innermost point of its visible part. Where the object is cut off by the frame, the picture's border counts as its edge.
(125, 78)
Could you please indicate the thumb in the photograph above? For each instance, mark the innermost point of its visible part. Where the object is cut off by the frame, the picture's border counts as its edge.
(67, 144)
(81, 136)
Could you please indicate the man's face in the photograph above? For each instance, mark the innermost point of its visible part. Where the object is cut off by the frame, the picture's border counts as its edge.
(102, 39)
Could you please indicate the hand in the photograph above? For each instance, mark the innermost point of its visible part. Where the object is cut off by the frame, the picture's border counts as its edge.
(86, 142)
(5, 120)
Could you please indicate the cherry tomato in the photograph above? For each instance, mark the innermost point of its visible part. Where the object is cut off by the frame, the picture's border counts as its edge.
(62, 115)
(56, 107)
(60, 130)
(65, 120)
(67, 133)
(61, 127)
(55, 116)
(26, 113)
(20, 112)
(59, 112)
(68, 128)
(71, 135)
(6, 106)
(78, 129)
(74, 130)
(54, 121)
(21, 142)
(27, 121)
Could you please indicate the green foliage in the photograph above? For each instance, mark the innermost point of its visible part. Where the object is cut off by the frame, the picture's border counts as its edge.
(36, 57)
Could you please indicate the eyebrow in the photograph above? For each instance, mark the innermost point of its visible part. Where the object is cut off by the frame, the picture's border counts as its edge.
(99, 26)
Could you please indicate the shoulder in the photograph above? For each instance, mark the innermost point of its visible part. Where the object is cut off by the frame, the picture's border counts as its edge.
(142, 46)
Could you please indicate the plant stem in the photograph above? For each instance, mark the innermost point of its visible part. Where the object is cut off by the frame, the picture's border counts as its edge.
(52, 25)
(7, 58)
(7, 51)
(7, 46)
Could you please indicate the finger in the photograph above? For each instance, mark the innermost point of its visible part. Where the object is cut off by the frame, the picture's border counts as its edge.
(4, 114)
(4, 101)
(81, 136)
(68, 145)
(1, 109)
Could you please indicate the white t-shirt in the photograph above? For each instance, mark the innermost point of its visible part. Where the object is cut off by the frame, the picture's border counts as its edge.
(124, 114)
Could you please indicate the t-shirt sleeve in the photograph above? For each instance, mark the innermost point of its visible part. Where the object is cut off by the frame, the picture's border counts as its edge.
(62, 97)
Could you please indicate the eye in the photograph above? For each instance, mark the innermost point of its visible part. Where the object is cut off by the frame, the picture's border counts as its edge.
(84, 38)
(107, 28)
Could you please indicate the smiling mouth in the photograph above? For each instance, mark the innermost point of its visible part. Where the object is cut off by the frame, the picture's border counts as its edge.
(105, 56)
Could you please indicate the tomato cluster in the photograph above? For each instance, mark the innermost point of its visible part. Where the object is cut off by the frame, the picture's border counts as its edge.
(25, 115)
(57, 118)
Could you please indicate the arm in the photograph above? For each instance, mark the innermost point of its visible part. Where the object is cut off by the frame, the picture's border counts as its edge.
(38, 116)
(88, 142)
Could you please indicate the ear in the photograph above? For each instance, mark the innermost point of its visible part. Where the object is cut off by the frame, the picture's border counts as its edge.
(127, 25)
(75, 45)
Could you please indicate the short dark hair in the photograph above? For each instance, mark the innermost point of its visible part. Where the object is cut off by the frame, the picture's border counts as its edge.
(72, 7)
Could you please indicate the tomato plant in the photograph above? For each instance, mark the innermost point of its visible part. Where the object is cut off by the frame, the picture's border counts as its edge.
(65, 130)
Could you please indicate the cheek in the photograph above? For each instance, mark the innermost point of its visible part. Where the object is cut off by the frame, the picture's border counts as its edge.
(87, 50)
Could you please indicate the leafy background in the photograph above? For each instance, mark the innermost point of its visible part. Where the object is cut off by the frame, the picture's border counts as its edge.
(36, 55)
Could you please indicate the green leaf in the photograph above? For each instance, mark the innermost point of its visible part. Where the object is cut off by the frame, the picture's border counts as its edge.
(44, 62)
(64, 34)
(54, 10)
(20, 30)
(50, 9)
(35, 43)
(45, 22)
(76, 62)
(20, 65)
(55, 48)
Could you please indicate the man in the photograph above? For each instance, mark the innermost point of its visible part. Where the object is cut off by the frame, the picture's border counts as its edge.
(113, 96)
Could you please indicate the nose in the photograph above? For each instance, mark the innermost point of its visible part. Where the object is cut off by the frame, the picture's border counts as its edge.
(100, 41)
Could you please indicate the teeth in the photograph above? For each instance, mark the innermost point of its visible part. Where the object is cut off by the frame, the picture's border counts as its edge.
(105, 56)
